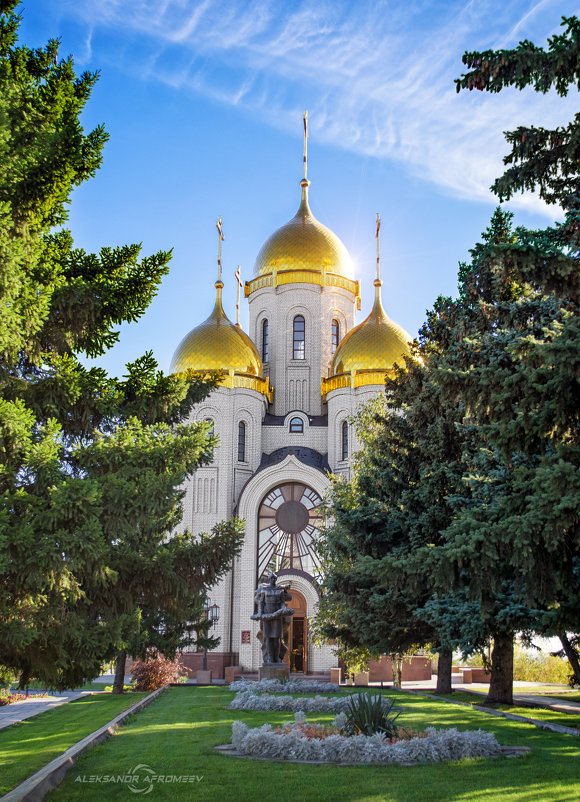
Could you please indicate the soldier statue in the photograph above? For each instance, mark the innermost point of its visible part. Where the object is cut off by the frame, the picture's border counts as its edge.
(272, 610)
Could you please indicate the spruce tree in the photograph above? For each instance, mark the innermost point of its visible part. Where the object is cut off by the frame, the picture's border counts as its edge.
(91, 467)
(519, 367)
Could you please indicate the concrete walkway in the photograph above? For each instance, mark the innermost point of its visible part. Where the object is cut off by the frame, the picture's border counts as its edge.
(19, 711)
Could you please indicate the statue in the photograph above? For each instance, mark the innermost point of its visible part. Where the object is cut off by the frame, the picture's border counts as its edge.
(272, 610)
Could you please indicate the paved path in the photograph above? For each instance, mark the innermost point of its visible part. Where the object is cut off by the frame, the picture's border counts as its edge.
(19, 711)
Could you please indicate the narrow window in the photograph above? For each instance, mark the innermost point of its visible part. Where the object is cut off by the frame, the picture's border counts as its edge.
(344, 449)
(297, 425)
(265, 349)
(209, 421)
(299, 351)
(241, 441)
(335, 338)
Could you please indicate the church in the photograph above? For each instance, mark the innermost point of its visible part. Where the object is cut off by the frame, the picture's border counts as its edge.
(282, 414)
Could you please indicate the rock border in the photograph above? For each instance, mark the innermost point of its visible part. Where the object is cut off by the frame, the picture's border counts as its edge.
(35, 787)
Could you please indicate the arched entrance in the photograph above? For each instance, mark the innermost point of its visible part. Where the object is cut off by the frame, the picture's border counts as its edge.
(297, 636)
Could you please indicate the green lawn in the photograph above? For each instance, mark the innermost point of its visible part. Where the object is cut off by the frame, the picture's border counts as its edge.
(539, 713)
(176, 735)
(573, 696)
(87, 686)
(26, 747)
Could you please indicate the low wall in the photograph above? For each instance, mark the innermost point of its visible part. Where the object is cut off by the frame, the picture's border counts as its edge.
(415, 669)
(217, 662)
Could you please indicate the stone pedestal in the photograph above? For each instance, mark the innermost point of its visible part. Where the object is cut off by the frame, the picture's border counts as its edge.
(203, 677)
(274, 671)
(232, 673)
(362, 678)
(336, 675)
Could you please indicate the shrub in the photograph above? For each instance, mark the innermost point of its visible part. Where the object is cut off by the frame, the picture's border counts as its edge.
(302, 740)
(530, 666)
(7, 676)
(155, 672)
(368, 713)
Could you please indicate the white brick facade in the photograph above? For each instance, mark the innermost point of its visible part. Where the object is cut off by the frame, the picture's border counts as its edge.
(275, 455)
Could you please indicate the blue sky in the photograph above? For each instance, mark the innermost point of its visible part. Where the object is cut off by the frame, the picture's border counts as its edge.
(203, 102)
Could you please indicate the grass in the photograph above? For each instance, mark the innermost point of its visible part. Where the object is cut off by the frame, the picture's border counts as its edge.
(529, 711)
(40, 686)
(29, 745)
(573, 696)
(177, 733)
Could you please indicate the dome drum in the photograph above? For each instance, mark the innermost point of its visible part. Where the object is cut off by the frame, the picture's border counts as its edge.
(322, 278)
(354, 379)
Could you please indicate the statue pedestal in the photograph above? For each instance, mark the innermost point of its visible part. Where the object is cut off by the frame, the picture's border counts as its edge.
(274, 671)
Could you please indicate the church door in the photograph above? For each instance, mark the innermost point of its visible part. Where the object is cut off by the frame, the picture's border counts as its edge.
(297, 655)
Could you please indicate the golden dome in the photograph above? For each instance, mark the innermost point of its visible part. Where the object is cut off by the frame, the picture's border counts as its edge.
(375, 344)
(304, 244)
(217, 344)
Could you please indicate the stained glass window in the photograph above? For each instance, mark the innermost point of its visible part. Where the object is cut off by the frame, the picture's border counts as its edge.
(289, 520)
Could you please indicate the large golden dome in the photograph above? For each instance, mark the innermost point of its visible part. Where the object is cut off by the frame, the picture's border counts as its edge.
(369, 350)
(304, 244)
(218, 345)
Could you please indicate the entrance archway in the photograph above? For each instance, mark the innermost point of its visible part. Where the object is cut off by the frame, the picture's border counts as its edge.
(297, 635)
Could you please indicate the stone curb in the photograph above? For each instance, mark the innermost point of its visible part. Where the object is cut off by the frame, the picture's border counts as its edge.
(35, 788)
(543, 725)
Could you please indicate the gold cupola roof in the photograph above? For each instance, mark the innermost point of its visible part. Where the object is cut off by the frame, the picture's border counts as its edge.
(304, 251)
(304, 244)
(375, 344)
(218, 345)
(370, 349)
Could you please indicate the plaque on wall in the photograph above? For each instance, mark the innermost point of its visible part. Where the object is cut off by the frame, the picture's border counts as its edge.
(245, 636)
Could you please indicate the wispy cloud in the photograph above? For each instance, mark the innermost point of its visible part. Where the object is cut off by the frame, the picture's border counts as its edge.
(376, 76)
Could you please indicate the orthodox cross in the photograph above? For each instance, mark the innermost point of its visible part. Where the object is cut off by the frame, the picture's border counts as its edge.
(377, 237)
(218, 225)
(305, 118)
(238, 276)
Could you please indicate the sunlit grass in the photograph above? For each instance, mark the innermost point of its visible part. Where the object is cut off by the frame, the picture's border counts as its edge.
(29, 745)
(176, 736)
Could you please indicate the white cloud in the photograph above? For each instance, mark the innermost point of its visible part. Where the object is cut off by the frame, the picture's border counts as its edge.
(377, 76)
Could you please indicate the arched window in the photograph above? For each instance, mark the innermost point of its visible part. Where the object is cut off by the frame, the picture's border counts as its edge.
(344, 440)
(209, 421)
(241, 441)
(299, 350)
(265, 345)
(296, 425)
(335, 336)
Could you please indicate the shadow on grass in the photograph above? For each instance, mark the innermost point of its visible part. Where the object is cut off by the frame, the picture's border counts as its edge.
(175, 738)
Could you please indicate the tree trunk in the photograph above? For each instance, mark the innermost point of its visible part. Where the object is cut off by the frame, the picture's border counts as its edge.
(502, 670)
(444, 671)
(397, 663)
(572, 656)
(120, 672)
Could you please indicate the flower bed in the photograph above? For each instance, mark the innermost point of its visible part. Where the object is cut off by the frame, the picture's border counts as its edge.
(9, 697)
(301, 741)
(291, 686)
(249, 700)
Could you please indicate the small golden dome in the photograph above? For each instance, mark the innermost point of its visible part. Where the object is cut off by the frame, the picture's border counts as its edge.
(217, 344)
(304, 244)
(375, 344)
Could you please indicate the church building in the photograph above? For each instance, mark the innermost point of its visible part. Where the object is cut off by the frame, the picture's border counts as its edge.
(282, 415)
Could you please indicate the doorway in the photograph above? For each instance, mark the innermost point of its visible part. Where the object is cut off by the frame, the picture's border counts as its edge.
(297, 655)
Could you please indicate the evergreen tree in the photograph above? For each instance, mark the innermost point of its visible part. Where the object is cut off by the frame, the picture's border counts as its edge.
(519, 365)
(90, 466)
